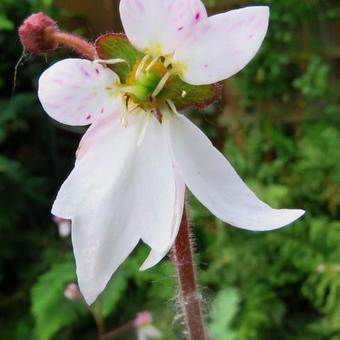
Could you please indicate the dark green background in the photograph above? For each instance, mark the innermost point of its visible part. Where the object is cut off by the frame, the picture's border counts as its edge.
(278, 123)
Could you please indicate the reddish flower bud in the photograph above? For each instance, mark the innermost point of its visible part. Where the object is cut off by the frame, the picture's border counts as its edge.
(34, 33)
(72, 292)
(143, 319)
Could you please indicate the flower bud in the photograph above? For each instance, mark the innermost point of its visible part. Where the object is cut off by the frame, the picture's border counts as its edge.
(34, 33)
(64, 226)
(143, 319)
(144, 327)
(72, 292)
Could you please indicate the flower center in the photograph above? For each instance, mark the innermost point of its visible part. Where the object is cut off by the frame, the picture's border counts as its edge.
(147, 80)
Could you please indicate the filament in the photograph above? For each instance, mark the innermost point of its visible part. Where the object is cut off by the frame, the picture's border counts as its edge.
(141, 65)
(153, 62)
(110, 61)
(161, 84)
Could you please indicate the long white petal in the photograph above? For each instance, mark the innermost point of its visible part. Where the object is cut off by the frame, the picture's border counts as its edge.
(104, 228)
(121, 190)
(216, 184)
(155, 256)
(78, 91)
(158, 26)
(220, 46)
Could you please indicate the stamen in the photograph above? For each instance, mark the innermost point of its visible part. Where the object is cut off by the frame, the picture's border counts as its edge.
(141, 65)
(133, 107)
(153, 62)
(124, 119)
(143, 130)
(172, 106)
(130, 89)
(161, 84)
(168, 60)
(110, 61)
(127, 99)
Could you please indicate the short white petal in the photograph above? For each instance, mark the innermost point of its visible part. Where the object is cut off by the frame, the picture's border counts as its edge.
(158, 26)
(152, 332)
(77, 91)
(219, 47)
(99, 130)
(106, 141)
(141, 335)
(212, 179)
(154, 191)
(156, 256)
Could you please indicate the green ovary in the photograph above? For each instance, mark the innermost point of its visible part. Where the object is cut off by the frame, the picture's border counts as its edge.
(145, 85)
(141, 86)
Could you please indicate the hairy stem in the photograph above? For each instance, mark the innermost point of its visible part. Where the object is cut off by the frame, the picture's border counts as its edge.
(190, 297)
(77, 44)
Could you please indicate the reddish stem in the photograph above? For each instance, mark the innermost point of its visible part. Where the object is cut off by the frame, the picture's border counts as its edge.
(77, 44)
(119, 331)
(190, 297)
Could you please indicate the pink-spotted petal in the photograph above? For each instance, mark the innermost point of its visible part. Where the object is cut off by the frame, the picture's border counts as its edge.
(158, 26)
(220, 46)
(76, 91)
(215, 183)
(99, 131)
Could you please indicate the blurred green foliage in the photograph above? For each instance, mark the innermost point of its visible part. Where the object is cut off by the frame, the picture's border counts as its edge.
(278, 123)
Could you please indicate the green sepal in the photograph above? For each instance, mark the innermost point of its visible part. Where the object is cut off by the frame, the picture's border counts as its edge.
(114, 46)
(195, 96)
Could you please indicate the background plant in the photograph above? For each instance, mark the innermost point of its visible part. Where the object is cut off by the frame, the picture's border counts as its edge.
(278, 122)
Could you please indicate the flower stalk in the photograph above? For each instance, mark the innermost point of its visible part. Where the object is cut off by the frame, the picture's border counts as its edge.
(40, 34)
(190, 297)
(74, 42)
(119, 331)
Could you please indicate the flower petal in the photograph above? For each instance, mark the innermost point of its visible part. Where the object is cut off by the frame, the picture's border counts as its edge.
(104, 231)
(156, 256)
(152, 187)
(216, 184)
(99, 131)
(222, 45)
(77, 91)
(121, 190)
(157, 27)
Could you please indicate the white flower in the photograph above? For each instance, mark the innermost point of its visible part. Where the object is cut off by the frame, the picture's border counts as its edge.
(129, 179)
(72, 292)
(144, 327)
(64, 226)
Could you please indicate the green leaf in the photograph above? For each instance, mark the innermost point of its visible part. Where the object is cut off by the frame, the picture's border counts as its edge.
(185, 95)
(224, 310)
(51, 310)
(5, 23)
(113, 292)
(113, 46)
